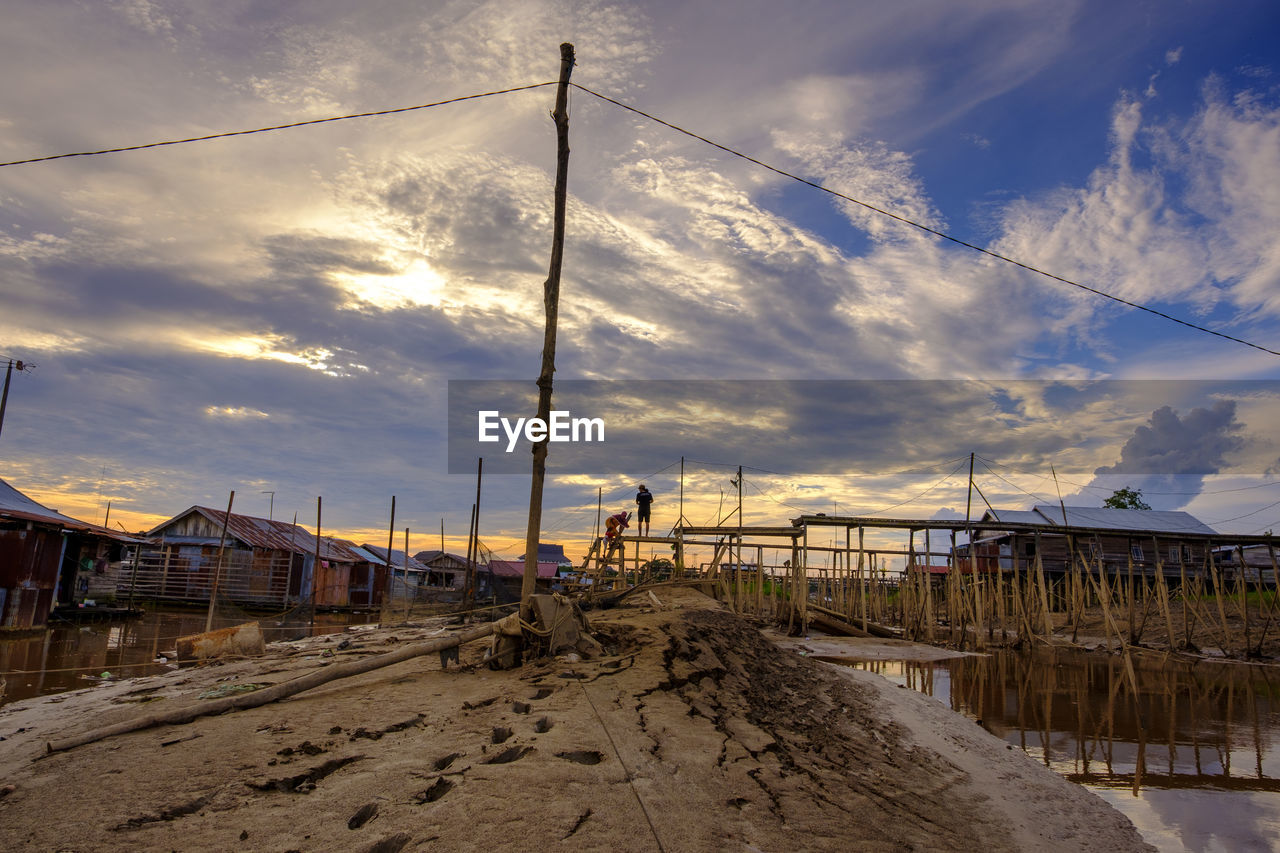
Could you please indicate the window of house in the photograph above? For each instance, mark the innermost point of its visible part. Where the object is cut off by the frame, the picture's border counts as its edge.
(1135, 551)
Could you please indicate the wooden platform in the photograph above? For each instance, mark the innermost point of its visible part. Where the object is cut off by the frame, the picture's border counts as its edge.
(72, 613)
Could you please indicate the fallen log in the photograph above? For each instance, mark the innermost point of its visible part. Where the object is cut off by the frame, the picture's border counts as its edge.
(873, 628)
(837, 627)
(274, 693)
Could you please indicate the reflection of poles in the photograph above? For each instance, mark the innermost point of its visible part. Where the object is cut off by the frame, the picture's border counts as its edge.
(133, 579)
(217, 566)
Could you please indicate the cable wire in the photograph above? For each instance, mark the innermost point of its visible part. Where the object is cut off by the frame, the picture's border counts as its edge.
(926, 228)
(226, 134)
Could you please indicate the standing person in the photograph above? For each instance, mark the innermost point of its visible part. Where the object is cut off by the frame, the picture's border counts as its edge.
(644, 499)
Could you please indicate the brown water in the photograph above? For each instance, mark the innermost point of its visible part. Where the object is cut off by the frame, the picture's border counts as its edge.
(71, 656)
(1190, 757)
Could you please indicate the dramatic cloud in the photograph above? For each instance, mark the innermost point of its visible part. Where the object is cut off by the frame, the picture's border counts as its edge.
(1168, 457)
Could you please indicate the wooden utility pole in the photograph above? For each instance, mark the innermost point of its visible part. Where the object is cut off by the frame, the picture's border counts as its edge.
(551, 302)
(391, 538)
(217, 566)
(4, 396)
(315, 568)
(473, 546)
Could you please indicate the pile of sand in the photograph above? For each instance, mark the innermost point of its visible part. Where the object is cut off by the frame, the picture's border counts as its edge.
(694, 733)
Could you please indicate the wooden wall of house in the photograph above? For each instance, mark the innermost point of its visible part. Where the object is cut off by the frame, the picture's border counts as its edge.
(333, 584)
(368, 586)
(29, 563)
(193, 525)
(1115, 552)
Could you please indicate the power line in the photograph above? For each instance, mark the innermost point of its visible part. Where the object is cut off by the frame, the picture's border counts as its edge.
(273, 127)
(917, 497)
(678, 129)
(925, 228)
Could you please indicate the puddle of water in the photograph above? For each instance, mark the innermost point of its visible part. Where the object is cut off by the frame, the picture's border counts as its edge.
(71, 657)
(1189, 757)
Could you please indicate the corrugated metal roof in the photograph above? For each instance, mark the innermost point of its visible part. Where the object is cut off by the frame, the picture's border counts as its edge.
(1160, 521)
(1014, 516)
(15, 505)
(397, 558)
(427, 558)
(272, 535)
(1163, 521)
(550, 553)
(515, 569)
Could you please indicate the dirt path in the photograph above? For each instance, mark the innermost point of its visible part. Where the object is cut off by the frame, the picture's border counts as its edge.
(695, 734)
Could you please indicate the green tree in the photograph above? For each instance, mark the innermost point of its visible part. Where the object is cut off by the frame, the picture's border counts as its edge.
(1126, 499)
(661, 568)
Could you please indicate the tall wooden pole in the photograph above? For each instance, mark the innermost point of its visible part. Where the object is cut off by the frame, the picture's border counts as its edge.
(469, 579)
(217, 566)
(551, 302)
(409, 596)
(391, 568)
(4, 396)
(738, 569)
(473, 545)
(315, 569)
(681, 521)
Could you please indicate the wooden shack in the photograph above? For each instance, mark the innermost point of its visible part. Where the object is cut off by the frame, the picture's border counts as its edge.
(47, 558)
(264, 563)
(1114, 541)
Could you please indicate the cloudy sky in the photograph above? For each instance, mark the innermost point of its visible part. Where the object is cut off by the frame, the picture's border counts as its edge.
(283, 312)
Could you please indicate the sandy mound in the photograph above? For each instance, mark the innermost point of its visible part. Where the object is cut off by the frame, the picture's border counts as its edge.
(696, 733)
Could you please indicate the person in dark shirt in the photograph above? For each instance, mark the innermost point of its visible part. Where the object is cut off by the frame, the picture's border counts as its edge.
(644, 498)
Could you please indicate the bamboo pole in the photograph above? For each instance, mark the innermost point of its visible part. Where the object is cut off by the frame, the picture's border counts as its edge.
(217, 566)
(1242, 586)
(1162, 590)
(928, 589)
(1044, 593)
(1218, 593)
(863, 586)
(1184, 592)
(1129, 557)
(551, 304)
(315, 565)
(391, 538)
(408, 600)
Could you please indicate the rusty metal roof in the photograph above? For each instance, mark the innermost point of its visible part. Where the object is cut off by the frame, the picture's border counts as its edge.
(272, 535)
(515, 569)
(17, 506)
(397, 558)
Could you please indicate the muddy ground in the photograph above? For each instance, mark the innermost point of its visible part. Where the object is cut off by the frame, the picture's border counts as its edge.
(1198, 626)
(694, 733)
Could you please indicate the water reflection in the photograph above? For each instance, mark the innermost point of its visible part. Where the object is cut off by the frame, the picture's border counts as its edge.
(1186, 751)
(70, 656)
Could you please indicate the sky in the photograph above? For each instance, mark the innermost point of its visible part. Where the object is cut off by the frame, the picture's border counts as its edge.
(284, 314)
